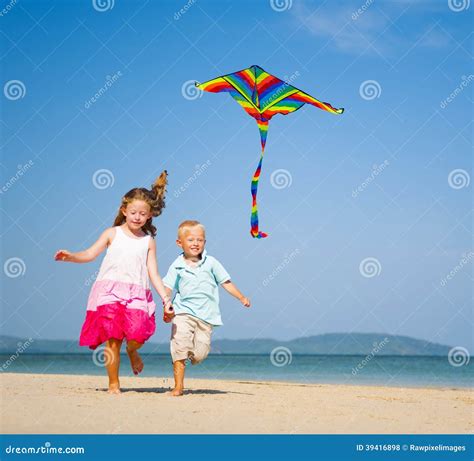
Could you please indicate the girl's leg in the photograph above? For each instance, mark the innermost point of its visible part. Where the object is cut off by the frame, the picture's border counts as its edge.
(135, 359)
(112, 362)
(178, 369)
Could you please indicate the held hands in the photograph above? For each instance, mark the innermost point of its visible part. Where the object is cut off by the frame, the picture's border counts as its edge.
(168, 315)
(245, 301)
(168, 311)
(63, 255)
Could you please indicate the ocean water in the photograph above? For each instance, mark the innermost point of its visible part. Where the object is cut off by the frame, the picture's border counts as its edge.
(397, 371)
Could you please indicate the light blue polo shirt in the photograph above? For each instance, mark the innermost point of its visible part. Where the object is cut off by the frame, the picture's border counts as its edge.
(197, 288)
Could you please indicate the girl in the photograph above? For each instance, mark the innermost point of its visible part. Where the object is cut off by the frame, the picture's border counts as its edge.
(120, 303)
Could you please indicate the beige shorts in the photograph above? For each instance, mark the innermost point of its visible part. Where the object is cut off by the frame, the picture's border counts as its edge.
(190, 338)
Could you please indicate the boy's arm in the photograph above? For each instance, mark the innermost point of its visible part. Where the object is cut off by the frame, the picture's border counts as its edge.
(91, 253)
(155, 278)
(222, 277)
(234, 291)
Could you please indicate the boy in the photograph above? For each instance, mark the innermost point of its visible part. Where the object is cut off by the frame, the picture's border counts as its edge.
(196, 277)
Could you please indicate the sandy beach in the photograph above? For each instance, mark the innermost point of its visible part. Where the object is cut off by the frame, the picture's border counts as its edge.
(33, 403)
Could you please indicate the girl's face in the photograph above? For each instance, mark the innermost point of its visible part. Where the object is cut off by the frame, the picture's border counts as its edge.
(137, 214)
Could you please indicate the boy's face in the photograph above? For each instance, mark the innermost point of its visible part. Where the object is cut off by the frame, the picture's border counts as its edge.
(192, 241)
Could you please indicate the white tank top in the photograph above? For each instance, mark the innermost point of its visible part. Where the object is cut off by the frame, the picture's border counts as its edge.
(125, 260)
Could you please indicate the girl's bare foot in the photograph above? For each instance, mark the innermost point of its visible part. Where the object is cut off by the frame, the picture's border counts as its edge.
(135, 361)
(114, 391)
(176, 392)
(114, 388)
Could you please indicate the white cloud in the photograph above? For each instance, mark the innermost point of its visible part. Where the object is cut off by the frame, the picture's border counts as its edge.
(366, 26)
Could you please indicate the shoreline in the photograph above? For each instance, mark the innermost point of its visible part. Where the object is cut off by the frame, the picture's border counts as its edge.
(62, 404)
(262, 381)
(219, 354)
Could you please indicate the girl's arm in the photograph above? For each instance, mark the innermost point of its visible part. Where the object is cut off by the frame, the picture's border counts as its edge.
(155, 278)
(91, 253)
(234, 291)
(168, 309)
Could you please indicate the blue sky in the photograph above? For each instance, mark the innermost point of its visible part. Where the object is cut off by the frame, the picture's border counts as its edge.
(388, 180)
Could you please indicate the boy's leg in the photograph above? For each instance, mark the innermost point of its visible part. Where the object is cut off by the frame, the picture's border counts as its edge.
(179, 367)
(181, 345)
(202, 341)
(112, 363)
(135, 360)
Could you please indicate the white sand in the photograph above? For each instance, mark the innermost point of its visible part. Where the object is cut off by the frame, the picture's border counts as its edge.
(79, 404)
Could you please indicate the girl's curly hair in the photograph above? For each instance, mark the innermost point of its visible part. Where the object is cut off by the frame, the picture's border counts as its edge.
(154, 197)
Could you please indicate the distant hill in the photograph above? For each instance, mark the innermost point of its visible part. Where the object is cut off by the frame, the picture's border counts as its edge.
(330, 343)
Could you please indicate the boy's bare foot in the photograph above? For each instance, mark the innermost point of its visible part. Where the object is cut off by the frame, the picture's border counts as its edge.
(178, 371)
(135, 361)
(176, 392)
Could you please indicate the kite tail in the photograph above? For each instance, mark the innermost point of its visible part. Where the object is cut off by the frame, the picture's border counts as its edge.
(263, 128)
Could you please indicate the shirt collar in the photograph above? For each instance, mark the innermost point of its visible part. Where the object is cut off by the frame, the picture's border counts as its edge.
(181, 263)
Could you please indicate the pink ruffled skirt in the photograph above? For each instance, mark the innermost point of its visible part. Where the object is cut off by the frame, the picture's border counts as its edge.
(118, 310)
(116, 321)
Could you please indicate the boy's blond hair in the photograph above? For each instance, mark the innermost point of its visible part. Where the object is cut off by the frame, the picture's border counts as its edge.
(187, 225)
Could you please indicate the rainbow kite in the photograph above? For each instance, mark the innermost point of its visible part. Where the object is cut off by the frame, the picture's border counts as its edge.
(262, 95)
